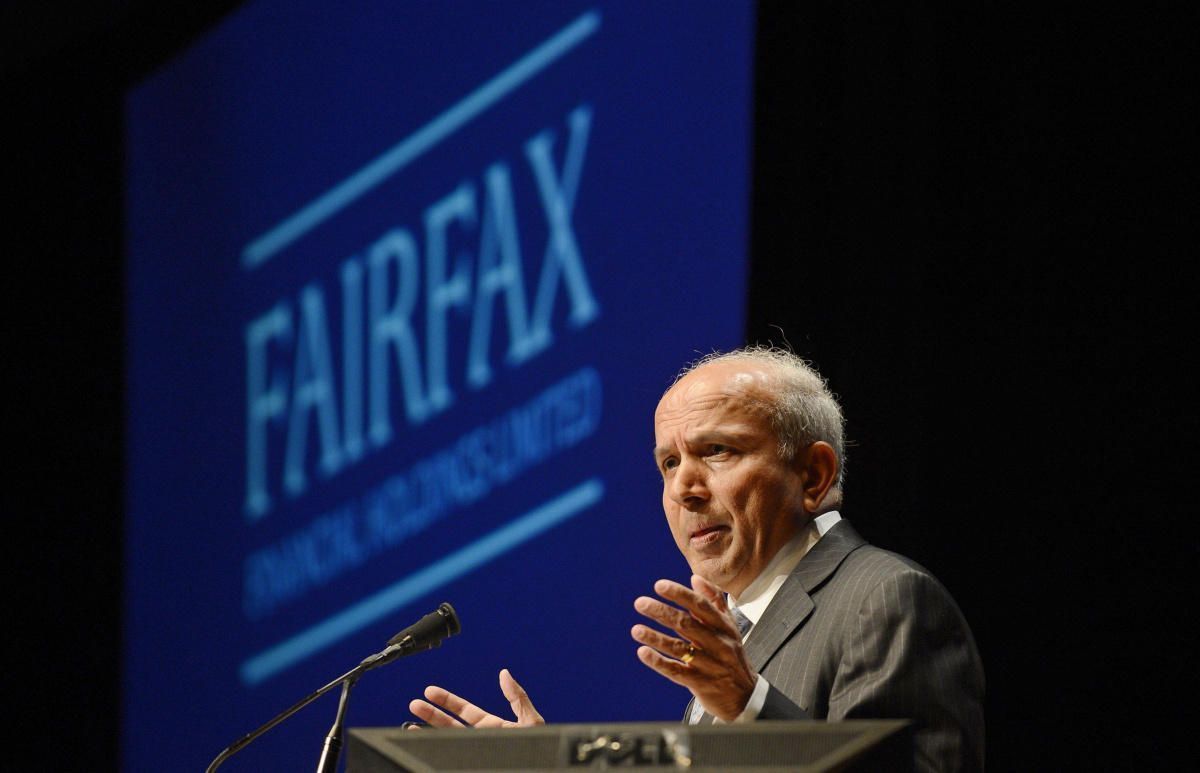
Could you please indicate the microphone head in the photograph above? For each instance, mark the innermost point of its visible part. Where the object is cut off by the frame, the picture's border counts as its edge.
(453, 627)
(430, 629)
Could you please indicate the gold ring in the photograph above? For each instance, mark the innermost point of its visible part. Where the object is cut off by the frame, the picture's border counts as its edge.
(687, 656)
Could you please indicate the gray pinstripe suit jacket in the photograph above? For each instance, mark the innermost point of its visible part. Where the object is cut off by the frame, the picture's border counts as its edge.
(857, 632)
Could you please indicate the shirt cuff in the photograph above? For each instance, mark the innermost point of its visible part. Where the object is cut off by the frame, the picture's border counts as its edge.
(753, 706)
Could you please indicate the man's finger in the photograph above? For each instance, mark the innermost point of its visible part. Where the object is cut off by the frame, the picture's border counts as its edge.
(695, 602)
(667, 645)
(711, 592)
(671, 669)
(519, 700)
(678, 620)
(688, 626)
(432, 715)
(470, 713)
(704, 609)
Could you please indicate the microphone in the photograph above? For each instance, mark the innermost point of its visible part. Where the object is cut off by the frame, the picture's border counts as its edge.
(422, 635)
(429, 631)
(425, 634)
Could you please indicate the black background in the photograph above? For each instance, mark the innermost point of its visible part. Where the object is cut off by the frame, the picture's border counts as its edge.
(970, 218)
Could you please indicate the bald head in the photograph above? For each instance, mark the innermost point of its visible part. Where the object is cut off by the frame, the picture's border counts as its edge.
(797, 400)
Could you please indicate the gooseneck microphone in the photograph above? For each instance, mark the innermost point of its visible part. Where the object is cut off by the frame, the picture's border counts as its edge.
(426, 633)
(429, 631)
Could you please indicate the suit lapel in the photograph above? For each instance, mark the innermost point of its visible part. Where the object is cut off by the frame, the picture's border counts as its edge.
(793, 602)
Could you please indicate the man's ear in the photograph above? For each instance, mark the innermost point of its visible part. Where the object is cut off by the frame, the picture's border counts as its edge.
(818, 467)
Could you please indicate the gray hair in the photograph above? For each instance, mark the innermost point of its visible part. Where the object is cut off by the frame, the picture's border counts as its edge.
(801, 408)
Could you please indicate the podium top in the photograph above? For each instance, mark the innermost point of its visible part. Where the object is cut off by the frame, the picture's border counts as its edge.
(807, 746)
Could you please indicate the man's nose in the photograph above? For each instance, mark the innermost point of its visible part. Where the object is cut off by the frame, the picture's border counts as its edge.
(689, 483)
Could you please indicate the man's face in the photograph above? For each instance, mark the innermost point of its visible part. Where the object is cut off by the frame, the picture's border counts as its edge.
(730, 500)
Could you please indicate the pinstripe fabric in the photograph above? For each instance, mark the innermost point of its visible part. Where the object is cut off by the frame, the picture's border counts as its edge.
(857, 632)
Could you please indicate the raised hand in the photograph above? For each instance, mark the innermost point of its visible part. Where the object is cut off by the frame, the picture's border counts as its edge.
(707, 656)
(442, 708)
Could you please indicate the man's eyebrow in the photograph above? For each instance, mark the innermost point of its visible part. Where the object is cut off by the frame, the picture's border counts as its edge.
(723, 436)
(731, 436)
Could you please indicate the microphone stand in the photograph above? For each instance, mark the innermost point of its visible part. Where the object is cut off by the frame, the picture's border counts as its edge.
(333, 742)
(398, 650)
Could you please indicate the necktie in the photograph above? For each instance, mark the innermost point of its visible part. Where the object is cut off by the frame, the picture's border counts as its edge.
(743, 624)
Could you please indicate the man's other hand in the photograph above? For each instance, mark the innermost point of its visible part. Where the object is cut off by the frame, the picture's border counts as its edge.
(442, 708)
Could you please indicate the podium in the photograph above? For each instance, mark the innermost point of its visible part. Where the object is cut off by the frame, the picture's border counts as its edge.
(756, 747)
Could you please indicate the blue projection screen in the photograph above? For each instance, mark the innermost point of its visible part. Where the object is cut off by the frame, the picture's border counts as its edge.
(405, 282)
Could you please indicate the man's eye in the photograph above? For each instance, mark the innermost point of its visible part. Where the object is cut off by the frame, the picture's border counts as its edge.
(716, 449)
(670, 463)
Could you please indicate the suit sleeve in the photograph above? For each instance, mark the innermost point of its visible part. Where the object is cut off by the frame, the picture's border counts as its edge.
(779, 706)
(908, 653)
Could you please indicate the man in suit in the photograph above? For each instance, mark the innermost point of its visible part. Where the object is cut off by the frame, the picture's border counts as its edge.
(790, 613)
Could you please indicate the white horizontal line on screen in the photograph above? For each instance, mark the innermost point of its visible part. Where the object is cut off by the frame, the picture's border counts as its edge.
(406, 590)
(337, 198)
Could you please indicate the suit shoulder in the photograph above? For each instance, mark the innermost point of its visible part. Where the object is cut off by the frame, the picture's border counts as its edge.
(871, 559)
(869, 567)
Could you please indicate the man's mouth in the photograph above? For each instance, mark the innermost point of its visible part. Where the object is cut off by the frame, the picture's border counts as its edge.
(707, 534)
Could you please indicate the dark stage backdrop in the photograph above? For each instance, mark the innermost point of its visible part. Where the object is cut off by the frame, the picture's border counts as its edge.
(965, 217)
